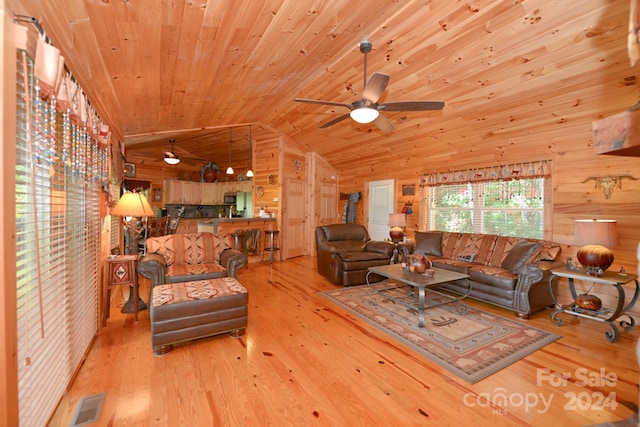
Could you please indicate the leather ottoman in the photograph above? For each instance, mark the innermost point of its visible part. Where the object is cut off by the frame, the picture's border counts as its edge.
(190, 310)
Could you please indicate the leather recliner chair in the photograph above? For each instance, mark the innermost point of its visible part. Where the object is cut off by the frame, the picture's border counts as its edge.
(345, 252)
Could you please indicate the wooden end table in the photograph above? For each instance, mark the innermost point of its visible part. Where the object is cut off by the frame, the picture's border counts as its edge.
(121, 270)
(604, 314)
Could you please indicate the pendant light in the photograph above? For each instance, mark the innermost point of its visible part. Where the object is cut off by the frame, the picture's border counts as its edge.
(170, 157)
(230, 169)
(250, 171)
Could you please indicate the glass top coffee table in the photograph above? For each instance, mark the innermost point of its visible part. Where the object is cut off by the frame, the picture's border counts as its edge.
(421, 282)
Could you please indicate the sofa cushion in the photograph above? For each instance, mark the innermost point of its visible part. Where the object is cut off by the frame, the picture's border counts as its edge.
(380, 246)
(428, 243)
(494, 276)
(456, 265)
(501, 248)
(449, 243)
(182, 270)
(519, 255)
(363, 256)
(195, 248)
(361, 261)
(475, 247)
(548, 252)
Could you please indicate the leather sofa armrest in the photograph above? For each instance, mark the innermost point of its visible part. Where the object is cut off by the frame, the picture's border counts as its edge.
(152, 267)
(233, 261)
(380, 246)
(528, 275)
(342, 247)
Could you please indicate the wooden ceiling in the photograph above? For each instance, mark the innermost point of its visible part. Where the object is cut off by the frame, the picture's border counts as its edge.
(191, 70)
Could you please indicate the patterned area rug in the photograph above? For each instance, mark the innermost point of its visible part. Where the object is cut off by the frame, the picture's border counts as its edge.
(467, 341)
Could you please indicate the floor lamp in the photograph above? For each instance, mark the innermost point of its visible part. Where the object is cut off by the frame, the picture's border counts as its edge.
(132, 206)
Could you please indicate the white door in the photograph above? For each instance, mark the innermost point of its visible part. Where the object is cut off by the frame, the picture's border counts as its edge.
(381, 204)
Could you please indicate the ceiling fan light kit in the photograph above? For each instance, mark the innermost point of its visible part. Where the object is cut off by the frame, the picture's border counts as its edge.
(364, 115)
(171, 160)
(170, 157)
(367, 109)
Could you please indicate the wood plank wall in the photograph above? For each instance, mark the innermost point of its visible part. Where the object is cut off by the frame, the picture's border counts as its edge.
(567, 145)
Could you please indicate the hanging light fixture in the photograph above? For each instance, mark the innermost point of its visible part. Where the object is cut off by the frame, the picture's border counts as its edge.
(230, 169)
(170, 157)
(250, 171)
(364, 114)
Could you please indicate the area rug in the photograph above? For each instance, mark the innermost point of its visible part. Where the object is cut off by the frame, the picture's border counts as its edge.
(467, 341)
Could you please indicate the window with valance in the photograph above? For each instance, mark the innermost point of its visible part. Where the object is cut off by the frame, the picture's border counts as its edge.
(504, 199)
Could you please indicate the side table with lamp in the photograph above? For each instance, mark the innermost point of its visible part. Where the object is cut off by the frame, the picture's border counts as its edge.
(132, 206)
(397, 222)
(595, 259)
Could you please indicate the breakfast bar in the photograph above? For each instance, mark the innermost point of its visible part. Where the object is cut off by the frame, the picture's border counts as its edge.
(232, 225)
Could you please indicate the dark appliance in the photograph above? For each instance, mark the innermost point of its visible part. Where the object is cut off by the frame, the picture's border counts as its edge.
(229, 198)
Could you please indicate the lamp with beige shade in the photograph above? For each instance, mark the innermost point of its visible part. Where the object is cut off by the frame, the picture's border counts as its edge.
(397, 221)
(596, 235)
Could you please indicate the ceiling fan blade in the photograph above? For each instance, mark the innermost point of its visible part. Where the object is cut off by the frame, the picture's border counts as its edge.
(375, 87)
(411, 106)
(317, 101)
(383, 123)
(334, 121)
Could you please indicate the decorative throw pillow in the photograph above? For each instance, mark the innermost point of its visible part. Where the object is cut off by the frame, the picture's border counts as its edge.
(518, 255)
(428, 243)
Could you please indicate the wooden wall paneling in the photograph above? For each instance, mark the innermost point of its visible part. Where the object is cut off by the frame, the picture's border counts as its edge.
(267, 162)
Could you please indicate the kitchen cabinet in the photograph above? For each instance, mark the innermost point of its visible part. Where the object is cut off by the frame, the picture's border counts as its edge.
(201, 193)
(210, 193)
(182, 192)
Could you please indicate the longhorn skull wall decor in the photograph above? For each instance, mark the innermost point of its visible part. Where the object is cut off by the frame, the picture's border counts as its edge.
(608, 183)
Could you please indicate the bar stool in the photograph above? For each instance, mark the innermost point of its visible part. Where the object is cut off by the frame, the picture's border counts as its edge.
(238, 240)
(271, 244)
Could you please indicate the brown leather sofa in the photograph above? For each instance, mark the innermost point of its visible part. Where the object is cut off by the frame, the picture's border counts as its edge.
(509, 272)
(345, 252)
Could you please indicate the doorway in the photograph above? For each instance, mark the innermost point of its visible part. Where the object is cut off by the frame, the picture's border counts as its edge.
(381, 204)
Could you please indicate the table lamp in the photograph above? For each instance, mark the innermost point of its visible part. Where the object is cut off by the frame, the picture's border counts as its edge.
(595, 235)
(132, 206)
(396, 222)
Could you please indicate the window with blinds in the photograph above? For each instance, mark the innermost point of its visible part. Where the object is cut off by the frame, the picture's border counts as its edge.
(491, 208)
(57, 246)
(508, 201)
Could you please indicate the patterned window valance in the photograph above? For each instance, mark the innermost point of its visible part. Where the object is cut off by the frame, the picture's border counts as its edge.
(536, 169)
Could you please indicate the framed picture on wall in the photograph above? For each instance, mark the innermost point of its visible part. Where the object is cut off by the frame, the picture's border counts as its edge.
(408, 189)
(129, 170)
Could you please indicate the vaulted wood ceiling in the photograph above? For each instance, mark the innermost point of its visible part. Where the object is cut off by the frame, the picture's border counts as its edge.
(190, 70)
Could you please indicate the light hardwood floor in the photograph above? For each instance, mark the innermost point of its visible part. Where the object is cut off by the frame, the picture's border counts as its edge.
(305, 361)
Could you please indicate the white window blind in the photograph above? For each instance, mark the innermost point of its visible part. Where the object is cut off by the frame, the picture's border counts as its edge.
(58, 174)
(506, 200)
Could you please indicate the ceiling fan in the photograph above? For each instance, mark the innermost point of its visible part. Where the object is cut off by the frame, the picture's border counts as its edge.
(367, 109)
(171, 158)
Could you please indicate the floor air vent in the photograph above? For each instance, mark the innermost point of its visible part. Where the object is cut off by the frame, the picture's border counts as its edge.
(88, 410)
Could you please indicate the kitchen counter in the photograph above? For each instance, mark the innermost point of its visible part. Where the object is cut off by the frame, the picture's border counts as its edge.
(225, 219)
(230, 225)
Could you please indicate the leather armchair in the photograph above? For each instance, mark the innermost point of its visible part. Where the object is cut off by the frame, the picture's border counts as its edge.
(345, 252)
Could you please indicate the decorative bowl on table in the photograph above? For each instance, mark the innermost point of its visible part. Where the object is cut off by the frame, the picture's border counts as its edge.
(418, 263)
(589, 302)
